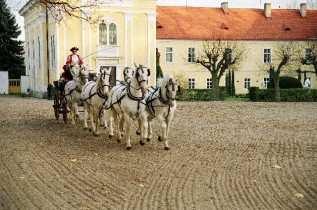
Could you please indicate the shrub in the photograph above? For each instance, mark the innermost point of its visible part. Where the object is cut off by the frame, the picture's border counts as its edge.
(199, 95)
(289, 82)
(252, 93)
(289, 95)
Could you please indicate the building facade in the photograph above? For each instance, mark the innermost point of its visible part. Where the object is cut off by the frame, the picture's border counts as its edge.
(181, 32)
(124, 32)
(119, 34)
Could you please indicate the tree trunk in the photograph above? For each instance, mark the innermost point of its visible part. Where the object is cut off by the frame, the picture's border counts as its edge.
(277, 92)
(215, 87)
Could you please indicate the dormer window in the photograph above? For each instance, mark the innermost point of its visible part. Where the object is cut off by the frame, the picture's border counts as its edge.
(107, 33)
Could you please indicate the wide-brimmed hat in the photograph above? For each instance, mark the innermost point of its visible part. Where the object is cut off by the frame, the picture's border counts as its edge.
(74, 49)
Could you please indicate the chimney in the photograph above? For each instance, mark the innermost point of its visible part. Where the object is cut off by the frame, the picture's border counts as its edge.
(224, 6)
(303, 8)
(267, 10)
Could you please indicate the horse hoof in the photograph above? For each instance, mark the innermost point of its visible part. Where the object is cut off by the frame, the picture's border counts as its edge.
(118, 140)
(110, 136)
(159, 138)
(166, 148)
(129, 147)
(90, 129)
(142, 143)
(148, 139)
(95, 134)
(85, 128)
(138, 133)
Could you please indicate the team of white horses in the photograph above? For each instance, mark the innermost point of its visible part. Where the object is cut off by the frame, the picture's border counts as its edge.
(117, 107)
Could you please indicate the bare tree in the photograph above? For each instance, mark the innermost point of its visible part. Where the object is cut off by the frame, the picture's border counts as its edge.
(59, 8)
(310, 57)
(217, 57)
(287, 57)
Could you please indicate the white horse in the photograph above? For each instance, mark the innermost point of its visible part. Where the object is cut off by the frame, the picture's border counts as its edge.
(73, 89)
(94, 95)
(116, 119)
(161, 104)
(127, 102)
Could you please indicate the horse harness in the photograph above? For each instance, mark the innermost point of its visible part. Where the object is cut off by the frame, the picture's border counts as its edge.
(151, 98)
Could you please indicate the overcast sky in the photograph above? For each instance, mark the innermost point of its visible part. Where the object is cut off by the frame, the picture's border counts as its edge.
(15, 5)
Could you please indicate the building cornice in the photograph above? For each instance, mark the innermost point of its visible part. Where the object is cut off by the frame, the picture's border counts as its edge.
(29, 4)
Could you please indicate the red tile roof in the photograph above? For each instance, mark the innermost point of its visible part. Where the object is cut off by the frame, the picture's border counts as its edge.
(238, 24)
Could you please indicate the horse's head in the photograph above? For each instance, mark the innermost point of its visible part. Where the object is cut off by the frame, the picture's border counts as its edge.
(171, 87)
(83, 74)
(128, 74)
(142, 74)
(104, 79)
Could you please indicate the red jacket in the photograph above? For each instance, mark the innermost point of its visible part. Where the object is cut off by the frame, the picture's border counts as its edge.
(69, 60)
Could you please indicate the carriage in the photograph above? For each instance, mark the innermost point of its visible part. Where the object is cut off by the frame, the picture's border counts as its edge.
(60, 102)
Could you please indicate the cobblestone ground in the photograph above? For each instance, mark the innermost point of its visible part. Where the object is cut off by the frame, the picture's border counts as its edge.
(224, 155)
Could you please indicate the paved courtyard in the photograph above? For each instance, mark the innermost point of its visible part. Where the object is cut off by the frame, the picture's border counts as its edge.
(224, 155)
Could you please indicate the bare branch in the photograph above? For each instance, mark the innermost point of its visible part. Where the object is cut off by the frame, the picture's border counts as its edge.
(59, 8)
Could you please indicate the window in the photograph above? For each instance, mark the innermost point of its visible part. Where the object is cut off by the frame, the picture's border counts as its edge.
(191, 55)
(107, 34)
(102, 34)
(169, 54)
(209, 83)
(308, 54)
(191, 83)
(39, 51)
(267, 55)
(247, 83)
(112, 34)
(266, 82)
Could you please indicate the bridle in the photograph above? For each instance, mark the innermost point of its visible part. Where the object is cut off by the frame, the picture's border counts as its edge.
(168, 93)
(100, 88)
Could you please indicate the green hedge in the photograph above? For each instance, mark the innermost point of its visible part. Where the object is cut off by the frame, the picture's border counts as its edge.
(199, 95)
(290, 95)
(289, 82)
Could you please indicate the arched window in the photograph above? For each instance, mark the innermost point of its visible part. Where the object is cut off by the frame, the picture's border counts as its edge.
(112, 34)
(102, 34)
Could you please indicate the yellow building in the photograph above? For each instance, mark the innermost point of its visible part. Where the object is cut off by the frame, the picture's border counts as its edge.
(120, 33)
(182, 30)
(124, 32)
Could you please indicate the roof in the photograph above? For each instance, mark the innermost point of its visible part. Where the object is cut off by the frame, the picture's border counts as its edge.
(201, 23)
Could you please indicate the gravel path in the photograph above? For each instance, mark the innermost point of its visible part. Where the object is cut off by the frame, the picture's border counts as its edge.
(224, 155)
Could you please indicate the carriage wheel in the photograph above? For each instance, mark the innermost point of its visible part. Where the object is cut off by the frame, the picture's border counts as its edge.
(64, 108)
(56, 106)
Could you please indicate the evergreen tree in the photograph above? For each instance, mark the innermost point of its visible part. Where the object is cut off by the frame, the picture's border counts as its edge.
(11, 49)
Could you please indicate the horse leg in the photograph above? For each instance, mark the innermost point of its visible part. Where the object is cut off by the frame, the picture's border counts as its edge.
(150, 131)
(120, 128)
(111, 122)
(85, 115)
(168, 122)
(127, 125)
(91, 114)
(72, 114)
(76, 112)
(97, 122)
(138, 131)
(144, 130)
(104, 120)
